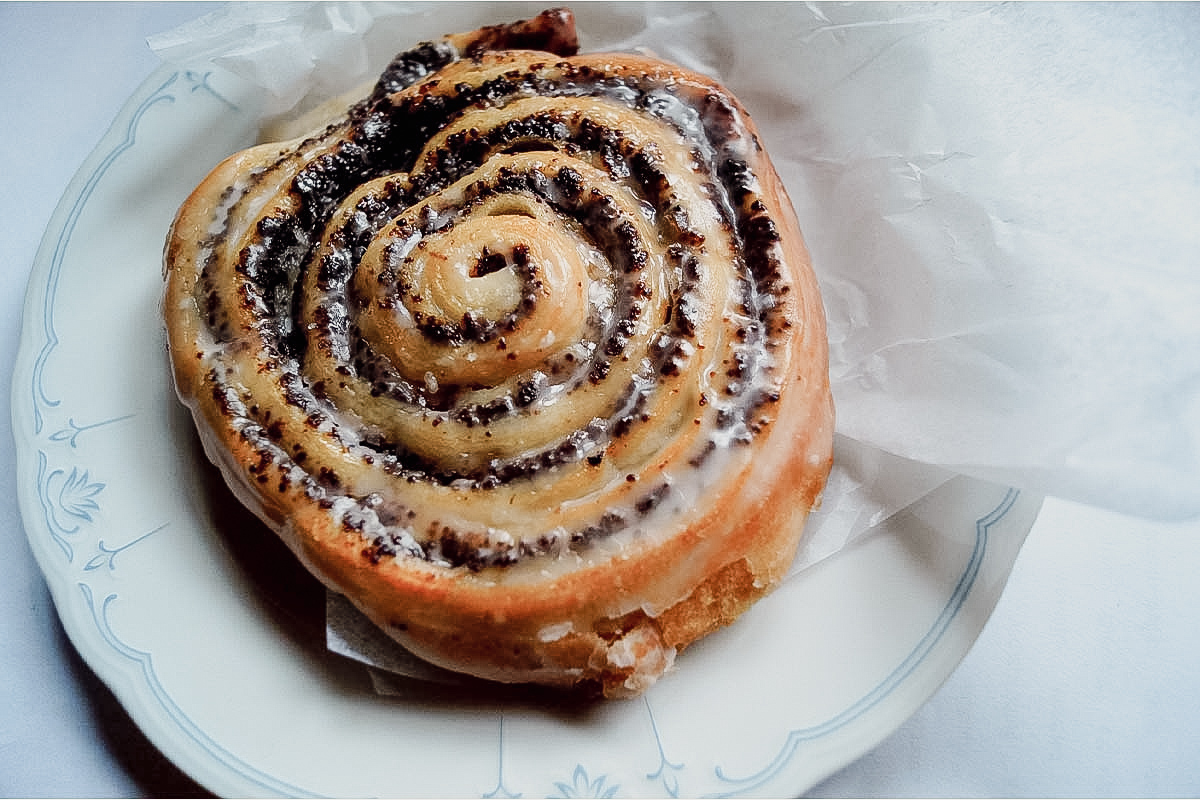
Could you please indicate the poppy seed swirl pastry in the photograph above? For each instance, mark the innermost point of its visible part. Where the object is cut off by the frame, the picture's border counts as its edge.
(522, 353)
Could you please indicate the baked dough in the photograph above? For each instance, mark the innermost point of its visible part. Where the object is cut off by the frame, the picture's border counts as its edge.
(521, 352)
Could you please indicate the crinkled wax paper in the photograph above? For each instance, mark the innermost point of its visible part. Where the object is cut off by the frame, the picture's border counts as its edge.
(1001, 203)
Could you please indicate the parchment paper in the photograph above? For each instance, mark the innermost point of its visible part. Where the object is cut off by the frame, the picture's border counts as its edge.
(1002, 217)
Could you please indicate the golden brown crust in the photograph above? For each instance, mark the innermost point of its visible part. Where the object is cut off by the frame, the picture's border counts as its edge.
(491, 527)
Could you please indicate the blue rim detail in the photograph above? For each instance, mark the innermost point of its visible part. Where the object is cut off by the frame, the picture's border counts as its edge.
(906, 667)
(40, 397)
(145, 663)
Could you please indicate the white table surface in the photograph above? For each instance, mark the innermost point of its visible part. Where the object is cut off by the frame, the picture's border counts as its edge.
(1086, 681)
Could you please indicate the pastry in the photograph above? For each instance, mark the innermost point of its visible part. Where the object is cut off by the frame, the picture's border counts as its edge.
(521, 352)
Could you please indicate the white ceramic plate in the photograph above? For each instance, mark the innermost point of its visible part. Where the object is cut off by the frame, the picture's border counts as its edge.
(212, 638)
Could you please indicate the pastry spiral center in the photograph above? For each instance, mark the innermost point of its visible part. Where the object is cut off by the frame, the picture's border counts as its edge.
(473, 303)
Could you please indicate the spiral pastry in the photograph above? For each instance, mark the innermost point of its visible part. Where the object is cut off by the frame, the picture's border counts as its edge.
(522, 353)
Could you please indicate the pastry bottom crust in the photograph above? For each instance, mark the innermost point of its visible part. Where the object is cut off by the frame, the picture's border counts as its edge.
(578, 629)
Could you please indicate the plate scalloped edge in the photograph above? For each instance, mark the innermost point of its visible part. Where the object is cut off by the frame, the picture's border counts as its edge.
(56, 504)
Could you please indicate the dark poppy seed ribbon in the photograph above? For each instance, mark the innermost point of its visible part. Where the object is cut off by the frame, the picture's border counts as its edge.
(512, 305)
